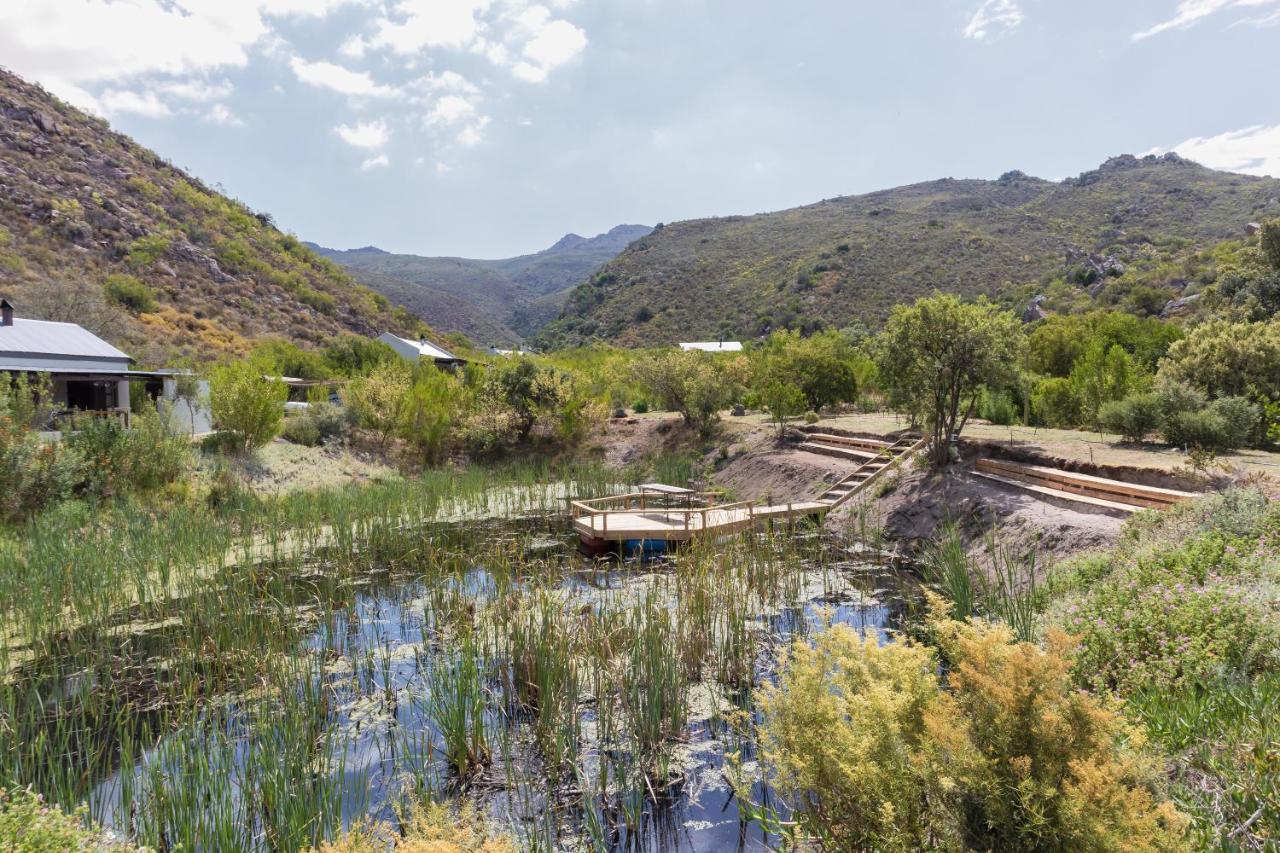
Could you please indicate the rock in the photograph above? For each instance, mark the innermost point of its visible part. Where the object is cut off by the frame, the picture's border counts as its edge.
(45, 122)
(1035, 309)
(738, 410)
(1173, 306)
(619, 413)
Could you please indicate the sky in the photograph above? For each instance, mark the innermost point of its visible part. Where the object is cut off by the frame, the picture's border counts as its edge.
(490, 128)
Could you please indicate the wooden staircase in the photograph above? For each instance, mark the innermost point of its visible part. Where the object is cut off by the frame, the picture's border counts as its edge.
(876, 458)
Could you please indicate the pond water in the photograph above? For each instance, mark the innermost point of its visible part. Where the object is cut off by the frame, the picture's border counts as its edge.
(340, 693)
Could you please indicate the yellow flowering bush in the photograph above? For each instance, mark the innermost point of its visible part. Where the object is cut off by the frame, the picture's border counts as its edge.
(878, 752)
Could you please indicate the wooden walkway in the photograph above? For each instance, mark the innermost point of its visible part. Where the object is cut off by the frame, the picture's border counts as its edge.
(628, 517)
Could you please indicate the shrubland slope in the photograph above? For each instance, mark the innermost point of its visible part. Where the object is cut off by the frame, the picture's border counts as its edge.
(97, 229)
(847, 261)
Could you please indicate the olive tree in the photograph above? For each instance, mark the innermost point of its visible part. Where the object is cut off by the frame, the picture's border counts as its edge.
(690, 383)
(936, 356)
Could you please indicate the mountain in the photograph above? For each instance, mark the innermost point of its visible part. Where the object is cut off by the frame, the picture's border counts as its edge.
(491, 301)
(97, 229)
(848, 260)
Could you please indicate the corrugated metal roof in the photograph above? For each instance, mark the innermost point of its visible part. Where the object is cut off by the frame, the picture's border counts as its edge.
(429, 350)
(712, 346)
(43, 337)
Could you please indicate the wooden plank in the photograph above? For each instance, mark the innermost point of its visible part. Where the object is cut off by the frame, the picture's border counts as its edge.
(1056, 478)
(871, 443)
(1057, 493)
(841, 452)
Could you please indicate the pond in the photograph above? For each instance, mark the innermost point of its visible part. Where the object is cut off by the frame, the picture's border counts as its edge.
(582, 703)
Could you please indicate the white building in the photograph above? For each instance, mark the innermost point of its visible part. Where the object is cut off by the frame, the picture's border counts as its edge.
(713, 346)
(85, 372)
(424, 350)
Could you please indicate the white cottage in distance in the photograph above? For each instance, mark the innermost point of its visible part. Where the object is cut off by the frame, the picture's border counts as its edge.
(423, 350)
(712, 346)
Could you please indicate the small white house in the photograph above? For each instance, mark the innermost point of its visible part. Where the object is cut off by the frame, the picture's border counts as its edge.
(423, 350)
(85, 373)
(713, 346)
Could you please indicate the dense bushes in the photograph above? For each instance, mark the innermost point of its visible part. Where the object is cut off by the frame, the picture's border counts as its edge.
(876, 752)
(1134, 417)
(694, 384)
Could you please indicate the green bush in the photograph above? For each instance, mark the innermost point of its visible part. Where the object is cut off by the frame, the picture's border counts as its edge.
(130, 293)
(28, 825)
(1134, 417)
(1241, 421)
(247, 404)
(640, 406)
(118, 461)
(300, 429)
(811, 417)
(1202, 430)
(997, 407)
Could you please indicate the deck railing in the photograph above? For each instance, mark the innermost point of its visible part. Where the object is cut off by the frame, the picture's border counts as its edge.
(598, 515)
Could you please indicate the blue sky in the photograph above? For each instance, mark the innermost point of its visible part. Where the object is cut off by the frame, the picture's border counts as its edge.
(489, 128)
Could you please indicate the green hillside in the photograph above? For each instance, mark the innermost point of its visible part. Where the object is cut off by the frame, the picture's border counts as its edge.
(846, 261)
(490, 301)
(97, 229)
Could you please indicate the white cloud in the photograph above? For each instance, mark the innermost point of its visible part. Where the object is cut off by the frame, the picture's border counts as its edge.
(412, 25)
(326, 75)
(993, 19)
(443, 168)
(1191, 12)
(116, 101)
(196, 90)
(365, 134)
(379, 161)
(450, 109)
(222, 114)
(1252, 150)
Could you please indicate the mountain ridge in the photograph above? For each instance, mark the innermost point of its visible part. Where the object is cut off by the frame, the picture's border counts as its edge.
(496, 301)
(846, 260)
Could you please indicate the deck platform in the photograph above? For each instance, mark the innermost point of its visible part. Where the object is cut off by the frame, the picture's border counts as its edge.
(593, 521)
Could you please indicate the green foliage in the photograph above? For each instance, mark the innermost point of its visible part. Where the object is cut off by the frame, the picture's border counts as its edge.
(118, 461)
(936, 356)
(1055, 403)
(1056, 343)
(877, 755)
(246, 404)
(1227, 359)
(432, 406)
(783, 401)
(695, 384)
(1101, 375)
(33, 473)
(144, 251)
(377, 400)
(824, 366)
(356, 355)
(1135, 417)
(1269, 242)
(280, 357)
(28, 825)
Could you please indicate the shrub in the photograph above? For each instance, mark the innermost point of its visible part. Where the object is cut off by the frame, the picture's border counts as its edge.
(997, 407)
(130, 293)
(1201, 430)
(690, 383)
(146, 250)
(33, 473)
(811, 417)
(425, 828)
(118, 461)
(28, 825)
(300, 429)
(876, 754)
(377, 400)
(246, 404)
(1134, 417)
(1240, 421)
(431, 407)
(640, 406)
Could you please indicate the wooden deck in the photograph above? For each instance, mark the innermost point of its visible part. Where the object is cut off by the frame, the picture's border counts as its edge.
(596, 520)
(1099, 492)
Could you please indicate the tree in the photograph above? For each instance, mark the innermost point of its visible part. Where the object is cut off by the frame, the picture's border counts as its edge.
(355, 355)
(431, 408)
(1269, 241)
(528, 389)
(1227, 359)
(247, 404)
(690, 383)
(782, 400)
(936, 356)
(1101, 375)
(378, 400)
(823, 366)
